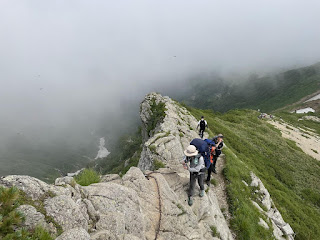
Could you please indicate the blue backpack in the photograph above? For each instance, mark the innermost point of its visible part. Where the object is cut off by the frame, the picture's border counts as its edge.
(203, 149)
(210, 142)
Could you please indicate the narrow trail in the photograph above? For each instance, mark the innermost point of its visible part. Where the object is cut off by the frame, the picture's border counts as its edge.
(220, 190)
(156, 186)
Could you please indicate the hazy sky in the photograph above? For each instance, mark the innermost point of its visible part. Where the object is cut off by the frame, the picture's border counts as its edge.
(67, 62)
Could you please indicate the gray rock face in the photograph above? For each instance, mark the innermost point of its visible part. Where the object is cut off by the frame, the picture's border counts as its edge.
(33, 187)
(64, 181)
(118, 206)
(110, 177)
(107, 235)
(281, 229)
(74, 234)
(33, 218)
(66, 212)
(170, 137)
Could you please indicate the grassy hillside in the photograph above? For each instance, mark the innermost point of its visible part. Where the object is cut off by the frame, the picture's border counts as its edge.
(298, 120)
(291, 176)
(266, 93)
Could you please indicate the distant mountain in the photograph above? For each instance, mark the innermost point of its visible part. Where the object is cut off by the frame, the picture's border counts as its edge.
(266, 93)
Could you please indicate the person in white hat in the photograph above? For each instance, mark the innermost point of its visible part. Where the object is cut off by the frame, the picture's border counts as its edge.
(196, 168)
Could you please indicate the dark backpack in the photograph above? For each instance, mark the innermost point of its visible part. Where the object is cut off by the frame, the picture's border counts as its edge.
(210, 142)
(202, 124)
(203, 149)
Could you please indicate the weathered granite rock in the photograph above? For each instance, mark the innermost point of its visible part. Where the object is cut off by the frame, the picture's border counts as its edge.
(33, 187)
(64, 181)
(281, 229)
(107, 235)
(110, 177)
(103, 235)
(170, 136)
(263, 223)
(110, 199)
(33, 218)
(74, 234)
(66, 212)
(114, 222)
(93, 214)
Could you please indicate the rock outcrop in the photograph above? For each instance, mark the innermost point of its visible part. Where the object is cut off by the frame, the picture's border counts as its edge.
(281, 229)
(170, 136)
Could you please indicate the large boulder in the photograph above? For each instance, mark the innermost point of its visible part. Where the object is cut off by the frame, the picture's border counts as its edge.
(33, 187)
(66, 212)
(33, 218)
(118, 206)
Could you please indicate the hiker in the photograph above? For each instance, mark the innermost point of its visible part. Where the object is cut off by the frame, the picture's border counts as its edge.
(202, 124)
(212, 147)
(196, 168)
(218, 140)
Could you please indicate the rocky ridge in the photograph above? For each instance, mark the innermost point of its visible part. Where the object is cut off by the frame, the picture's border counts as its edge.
(264, 203)
(144, 204)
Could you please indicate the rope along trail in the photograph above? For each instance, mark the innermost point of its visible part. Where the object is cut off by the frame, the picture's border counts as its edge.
(160, 204)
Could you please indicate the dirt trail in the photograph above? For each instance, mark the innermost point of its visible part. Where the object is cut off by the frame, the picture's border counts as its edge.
(220, 189)
(308, 141)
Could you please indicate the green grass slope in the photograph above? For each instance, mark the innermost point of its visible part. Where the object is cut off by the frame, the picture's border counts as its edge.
(291, 176)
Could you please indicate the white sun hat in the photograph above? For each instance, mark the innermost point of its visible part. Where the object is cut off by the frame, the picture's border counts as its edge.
(191, 151)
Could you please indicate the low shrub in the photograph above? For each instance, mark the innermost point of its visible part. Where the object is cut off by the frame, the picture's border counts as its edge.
(214, 232)
(157, 115)
(11, 220)
(153, 148)
(87, 177)
(158, 164)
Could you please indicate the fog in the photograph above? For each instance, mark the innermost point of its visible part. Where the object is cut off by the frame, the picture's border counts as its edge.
(74, 69)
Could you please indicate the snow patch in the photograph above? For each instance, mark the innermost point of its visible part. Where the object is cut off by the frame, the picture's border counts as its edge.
(313, 98)
(305, 110)
(103, 152)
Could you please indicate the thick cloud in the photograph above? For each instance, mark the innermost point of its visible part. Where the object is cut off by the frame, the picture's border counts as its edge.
(71, 64)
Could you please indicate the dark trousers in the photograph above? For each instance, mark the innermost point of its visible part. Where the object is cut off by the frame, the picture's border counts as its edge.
(193, 178)
(212, 167)
(210, 170)
(201, 132)
(215, 158)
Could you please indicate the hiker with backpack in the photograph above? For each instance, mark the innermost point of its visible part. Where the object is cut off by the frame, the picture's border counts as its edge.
(218, 140)
(196, 168)
(202, 124)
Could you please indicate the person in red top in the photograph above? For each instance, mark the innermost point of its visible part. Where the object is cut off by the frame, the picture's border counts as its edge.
(212, 160)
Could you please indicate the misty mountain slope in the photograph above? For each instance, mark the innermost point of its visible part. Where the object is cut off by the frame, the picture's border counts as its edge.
(266, 93)
(140, 205)
(42, 159)
(290, 175)
(272, 186)
(50, 149)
